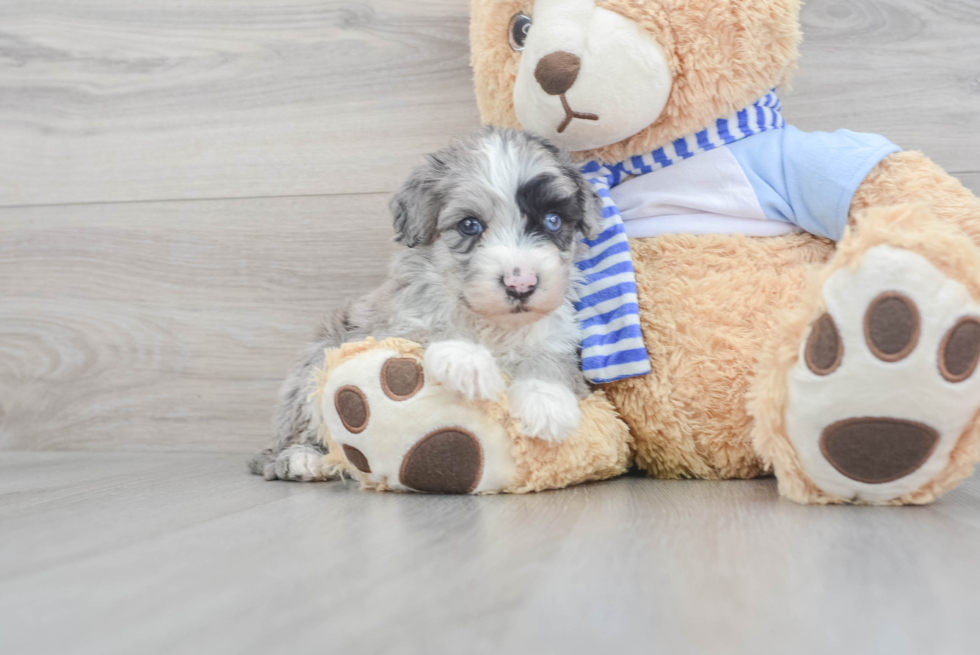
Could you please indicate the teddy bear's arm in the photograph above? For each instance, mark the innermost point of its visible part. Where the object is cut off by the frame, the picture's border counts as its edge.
(911, 177)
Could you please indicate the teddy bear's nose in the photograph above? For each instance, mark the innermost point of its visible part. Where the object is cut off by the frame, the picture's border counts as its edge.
(556, 73)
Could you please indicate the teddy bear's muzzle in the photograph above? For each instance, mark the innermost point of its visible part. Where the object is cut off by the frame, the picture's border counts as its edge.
(556, 73)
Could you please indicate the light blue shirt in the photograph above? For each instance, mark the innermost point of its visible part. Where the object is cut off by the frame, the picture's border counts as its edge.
(809, 178)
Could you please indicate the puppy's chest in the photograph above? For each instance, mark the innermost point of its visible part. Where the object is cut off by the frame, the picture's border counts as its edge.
(511, 351)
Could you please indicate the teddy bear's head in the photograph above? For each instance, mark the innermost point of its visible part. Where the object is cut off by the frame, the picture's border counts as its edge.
(610, 79)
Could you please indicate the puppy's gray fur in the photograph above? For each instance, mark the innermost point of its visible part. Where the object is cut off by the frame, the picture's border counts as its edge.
(445, 286)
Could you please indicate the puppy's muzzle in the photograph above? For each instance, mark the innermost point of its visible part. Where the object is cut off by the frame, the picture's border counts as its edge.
(520, 285)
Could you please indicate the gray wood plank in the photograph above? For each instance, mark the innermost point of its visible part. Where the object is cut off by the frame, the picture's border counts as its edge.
(166, 553)
(170, 325)
(907, 69)
(107, 101)
(110, 101)
(971, 181)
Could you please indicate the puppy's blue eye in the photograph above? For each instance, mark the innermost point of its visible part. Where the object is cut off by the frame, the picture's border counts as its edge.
(552, 222)
(470, 227)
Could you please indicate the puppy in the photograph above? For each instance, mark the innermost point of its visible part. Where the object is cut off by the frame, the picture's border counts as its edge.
(486, 281)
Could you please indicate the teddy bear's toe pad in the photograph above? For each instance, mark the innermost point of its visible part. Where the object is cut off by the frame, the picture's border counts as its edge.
(891, 327)
(885, 385)
(352, 408)
(402, 378)
(823, 349)
(400, 429)
(960, 350)
(357, 459)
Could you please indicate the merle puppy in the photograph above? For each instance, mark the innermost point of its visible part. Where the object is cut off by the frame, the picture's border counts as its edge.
(486, 282)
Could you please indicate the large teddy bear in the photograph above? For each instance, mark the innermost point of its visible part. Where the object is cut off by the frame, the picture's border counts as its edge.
(803, 304)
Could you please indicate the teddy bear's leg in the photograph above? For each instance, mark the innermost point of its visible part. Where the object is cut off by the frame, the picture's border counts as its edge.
(869, 391)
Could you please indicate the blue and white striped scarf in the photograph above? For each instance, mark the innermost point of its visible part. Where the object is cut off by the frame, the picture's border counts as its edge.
(612, 343)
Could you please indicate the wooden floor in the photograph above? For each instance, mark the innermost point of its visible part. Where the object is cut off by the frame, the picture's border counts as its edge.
(187, 185)
(183, 553)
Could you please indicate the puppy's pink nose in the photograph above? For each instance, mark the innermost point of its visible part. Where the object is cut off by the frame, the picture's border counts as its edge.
(520, 282)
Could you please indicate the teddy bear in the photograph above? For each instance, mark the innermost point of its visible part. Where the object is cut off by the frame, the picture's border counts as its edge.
(761, 300)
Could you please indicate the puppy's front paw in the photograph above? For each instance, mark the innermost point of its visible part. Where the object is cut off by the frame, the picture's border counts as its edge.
(546, 410)
(465, 367)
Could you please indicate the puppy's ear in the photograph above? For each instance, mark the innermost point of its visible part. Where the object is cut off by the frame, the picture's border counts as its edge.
(592, 220)
(591, 205)
(416, 206)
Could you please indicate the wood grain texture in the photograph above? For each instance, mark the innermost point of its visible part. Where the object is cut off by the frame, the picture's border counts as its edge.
(170, 325)
(108, 101)
(907, 69)
(179, 553)
(971, 181)
(167, 325)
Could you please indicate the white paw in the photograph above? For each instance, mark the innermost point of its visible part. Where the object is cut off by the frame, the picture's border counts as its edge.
(306, 466)
(546, 410)
(884, 387)
(465, 367)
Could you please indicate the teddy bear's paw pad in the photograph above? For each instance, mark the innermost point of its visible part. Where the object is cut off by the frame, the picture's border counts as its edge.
(402, 429)
(446, 461)
(885, 385)
(877, 450)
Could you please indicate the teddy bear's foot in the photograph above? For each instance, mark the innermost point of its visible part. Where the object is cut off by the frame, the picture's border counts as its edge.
(391, 421)
(401, 430)
(886, 386)
(882, 402)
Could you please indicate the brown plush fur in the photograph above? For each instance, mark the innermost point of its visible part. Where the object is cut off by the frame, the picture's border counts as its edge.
(901, 226)
(598, 450)
(913, 177)
(723, 55)
(708, 303)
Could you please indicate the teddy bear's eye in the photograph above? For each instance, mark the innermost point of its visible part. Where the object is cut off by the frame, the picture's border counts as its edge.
(520, 25)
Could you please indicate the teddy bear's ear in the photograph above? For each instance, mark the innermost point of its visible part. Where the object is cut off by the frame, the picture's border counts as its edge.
(415, 207)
